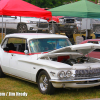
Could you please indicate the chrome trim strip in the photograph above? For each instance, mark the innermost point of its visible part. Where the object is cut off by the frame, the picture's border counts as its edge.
(20, 78)
(73, 81)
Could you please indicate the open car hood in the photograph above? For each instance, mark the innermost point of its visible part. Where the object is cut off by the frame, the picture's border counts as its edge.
(73, 49)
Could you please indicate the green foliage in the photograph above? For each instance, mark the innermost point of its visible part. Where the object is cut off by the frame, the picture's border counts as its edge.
(9, 84)
(49, 3)
(93, 0)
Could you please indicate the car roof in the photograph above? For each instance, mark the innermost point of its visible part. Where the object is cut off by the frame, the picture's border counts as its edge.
(35, 35)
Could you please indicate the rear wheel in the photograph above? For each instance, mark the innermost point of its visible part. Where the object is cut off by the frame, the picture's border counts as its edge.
(22, 28)
(44, 85)
(1, 73)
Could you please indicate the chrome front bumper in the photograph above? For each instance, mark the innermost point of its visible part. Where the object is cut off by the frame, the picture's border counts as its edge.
(73, 81)
(82, 83)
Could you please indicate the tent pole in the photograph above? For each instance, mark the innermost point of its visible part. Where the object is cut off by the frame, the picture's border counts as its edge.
(5, 28)
(20, 19)
(86, 29)
(20, 23)
(2, 27)
(38, 26)
(52, 25)
(39, 23)
(80, 27)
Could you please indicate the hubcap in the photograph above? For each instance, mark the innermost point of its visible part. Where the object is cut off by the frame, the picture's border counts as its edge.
(43, 83)
(22, 28)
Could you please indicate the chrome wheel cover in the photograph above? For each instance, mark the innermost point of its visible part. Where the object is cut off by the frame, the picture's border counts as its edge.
(43, 83)
(22, 28)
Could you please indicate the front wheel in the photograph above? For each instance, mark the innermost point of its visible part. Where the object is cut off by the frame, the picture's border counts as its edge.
(22, 28)
(44, 85)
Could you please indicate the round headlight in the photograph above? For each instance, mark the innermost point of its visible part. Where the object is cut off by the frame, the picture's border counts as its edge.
(68, 73)
(61, 74)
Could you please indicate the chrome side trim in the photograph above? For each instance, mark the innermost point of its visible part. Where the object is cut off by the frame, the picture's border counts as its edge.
(20, 78)
(73, 81)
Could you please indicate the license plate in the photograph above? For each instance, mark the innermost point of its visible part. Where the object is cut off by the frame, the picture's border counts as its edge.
(71, 26)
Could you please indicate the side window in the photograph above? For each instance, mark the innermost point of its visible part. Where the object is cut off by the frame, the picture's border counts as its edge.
(97, 50)
(16, 40)
(3, 45)
(95, 42)
(16, 44)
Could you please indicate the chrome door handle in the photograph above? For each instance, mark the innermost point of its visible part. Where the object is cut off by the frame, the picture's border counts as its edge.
(12, 55)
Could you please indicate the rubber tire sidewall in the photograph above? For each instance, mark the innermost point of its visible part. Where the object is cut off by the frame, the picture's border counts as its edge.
(1, 73)
(19, 26)
(50, 89)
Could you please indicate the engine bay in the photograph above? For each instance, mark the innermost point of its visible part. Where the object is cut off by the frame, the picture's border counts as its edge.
(71, 61)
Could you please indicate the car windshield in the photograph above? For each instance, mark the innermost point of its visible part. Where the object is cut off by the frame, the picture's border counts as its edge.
(46, 45)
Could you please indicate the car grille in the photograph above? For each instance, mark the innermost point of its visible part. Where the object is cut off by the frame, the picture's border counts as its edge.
(43, 25)
(84, 74)
(69, 20)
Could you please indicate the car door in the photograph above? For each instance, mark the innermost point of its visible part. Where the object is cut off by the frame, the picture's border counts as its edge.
(5, 59)
(19, 68)
(10, 22)
(16, 67)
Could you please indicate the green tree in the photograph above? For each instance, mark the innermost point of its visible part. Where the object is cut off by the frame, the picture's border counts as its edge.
(50, 3)
(93, 0)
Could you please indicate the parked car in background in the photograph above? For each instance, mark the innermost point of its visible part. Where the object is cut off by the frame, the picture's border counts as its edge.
(50, 61)
(61, 24)
(23, 24)
(96, 25)
(92, 24)
(96, 52)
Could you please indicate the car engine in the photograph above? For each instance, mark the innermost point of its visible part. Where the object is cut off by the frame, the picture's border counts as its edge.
(71, 61)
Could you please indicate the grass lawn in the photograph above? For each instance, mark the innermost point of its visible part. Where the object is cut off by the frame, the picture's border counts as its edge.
(9, 84)
(1, 37)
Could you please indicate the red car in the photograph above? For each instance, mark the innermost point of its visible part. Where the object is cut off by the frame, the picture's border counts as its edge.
(96, 52)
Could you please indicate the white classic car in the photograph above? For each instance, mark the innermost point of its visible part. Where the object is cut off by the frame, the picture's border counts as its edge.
(50, 61)
(23, 24)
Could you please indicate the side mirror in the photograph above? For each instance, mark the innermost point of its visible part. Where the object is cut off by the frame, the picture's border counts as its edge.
(14, 17)
(6, 49)
(26, 52)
